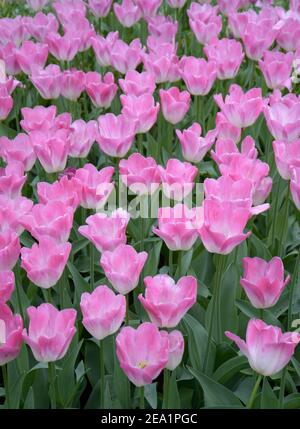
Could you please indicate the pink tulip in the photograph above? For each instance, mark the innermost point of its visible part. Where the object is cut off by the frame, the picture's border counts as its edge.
(95, 185)
(79, 26)
(64, 190)
(32, 56)
(8, 52)
(162, 28)
(7, 285)
(295, 186)
(228, 56)
(166, 302)
(14, 30)
(287, 155)
(283, 116)
(289, 33)
(103, 312)
(12, 180)
(18, 149)
(143, 353)
(176, 348)
(143, 110)
(100, 8)
(194, 147)
(223, 226)
(176, 226)
(101, 92)
(123, 266)
(37, 4)
(257, 38)
(263, 281)
(141, 175)
(9, 250)
(106, 232)
(53, 219)
(103, 46)
(128, 13)
(177, 178)
(40, 25)
(72, 84)
(63, 48)
(12, 211)
(83, 135)
(148, 7)
(204, 22)
(198, 74)
(125, 57)
(45, 262)
(11, 334)
(48, 81)
(51, 148)
(38, 118)
(176, 4)
(137, 84)
(116, 134)
(267, 349)
(67, 9)
(226, 130)
(50, 332)
(163, 63)
(6, 103)
(174, 104)
(277, 68)
(241, 109)
(239, 21)
(225, 150)
(227, 7)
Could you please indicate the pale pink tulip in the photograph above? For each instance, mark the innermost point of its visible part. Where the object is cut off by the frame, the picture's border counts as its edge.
(9, 250)
(277, 68)
(100, 8)
(48, 81)
(194, 147)
(148, 7)
(101, 91)
(176, 348)
(204, 22)
(126, 57)
(7, 285)
(64, 190)
(128, 13)
(177, 178)
(11, 334)
(72, 84)
(12, 180)
(295, 186)
(137, 84)
(103, 46)
(83, 135)
(143, 110)
(228, 56)
(174, 104)
(32, 56)
(198, 75)
(287, 156)
(41, 24)
(18, 149)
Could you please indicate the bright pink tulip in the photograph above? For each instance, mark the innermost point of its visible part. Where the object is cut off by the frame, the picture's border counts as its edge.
(116, 134)
(176, 226)
(295, 186)
(51, 148)
(176, 348)
(101, 92)
(12, 211)
(18, 149)
(226, 130)
(103, 46)
(148, 7)
(241, 109)
(37, 4)
(198, 74)
(12, 180)
(123, 266)
(267, 349)
(204, 22)
(68, 191)
(32, 56)
(140, 174)
(103, 312)
(143, 110)
(162, 28)
(289, 33)
(83, 135)
(6, 103)
(174, 104)
(163, 63)
(8, 52)
(128, 13)
(7, 285)
(45, 262)
(176, 4)
(9, 250)
(287, 155)
(72, 84)
(95, 185)
(223, 226)
(137, 84)
(38, 118)
(166, 302)
(53, 219)
(263, 281)
(40, 25)
(63, 48)
(100, 8)
(177, 178)
(257, 38)
(277, 68)
(228, 56)
(194, 147)
(126, 57)
(106, 232)
(11, 335)
(50, 332)
(143, 353)
(48, 81)
(283, 116)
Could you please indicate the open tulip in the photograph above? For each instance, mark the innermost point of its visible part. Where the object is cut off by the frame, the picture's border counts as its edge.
(177, 178)
(102, 48)
(198, 75)
(83, 135)
(287, 156)
(277, 69)
(48, 81)
(7, 285)
(100, 8)
(194, 147)
(42, 24)
(38, 118)
(148, 7)
(228, 56)
(101, 91)
(63, 48)
(135, 83)
(72, 84)
(128, 13)
(18, 149)
(65, 190)
(12, 179)
(125, 57)
(142, 110)
(226, 130)
(174, 104)
(204, 22)
(32, 56)
(12, 211)
(11, 334)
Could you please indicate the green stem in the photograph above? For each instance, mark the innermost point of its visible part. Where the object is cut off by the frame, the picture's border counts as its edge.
(127, 309)
(291, 295)
(166, 389)
(261, 314)
(179, 266)
(18, 287)
(282, 237)
(92, 266)
(142, 398)
(62, 286)
(140, 146)
(49, 297)
(52, 390)
(170, 263)
(199, 111)
(274, 216)
(170, 138)
(5, 383)
(102, 376)
(282, 388)
(254, 391)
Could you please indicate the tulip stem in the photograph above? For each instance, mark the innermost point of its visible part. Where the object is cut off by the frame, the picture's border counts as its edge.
(127, 309)
(291, 295)
(142, 398)
(282, 237)
(261, 313)
(92, 266)
(62, 286)
(166, 389)
(170, 263)
(5, 383)
(282, 388)
(52, 390)
(199, 111)
(170, 138)
(140, 146)
(102, 376)
(49, 298)
(254, 391)
(18, 287)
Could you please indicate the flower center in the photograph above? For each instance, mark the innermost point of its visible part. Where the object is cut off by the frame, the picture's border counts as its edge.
(142, 364)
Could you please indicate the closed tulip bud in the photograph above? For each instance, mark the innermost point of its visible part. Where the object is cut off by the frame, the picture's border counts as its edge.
(176, 348)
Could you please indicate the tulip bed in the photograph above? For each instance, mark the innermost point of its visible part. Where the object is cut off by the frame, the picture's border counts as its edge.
(149, 204)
